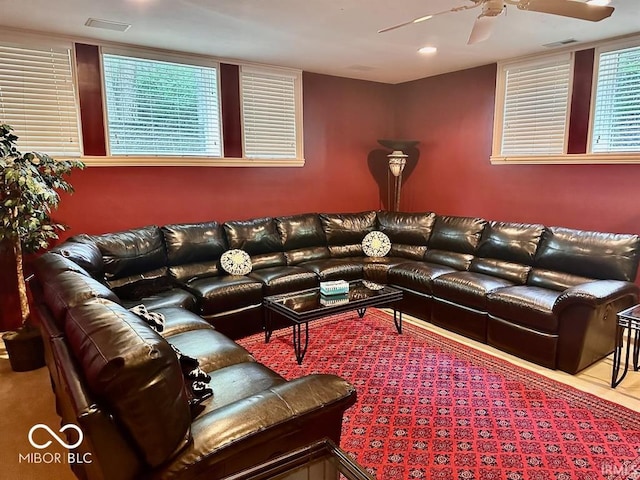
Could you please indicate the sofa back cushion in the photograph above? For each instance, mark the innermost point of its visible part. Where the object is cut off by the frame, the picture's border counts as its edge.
(82, 250)
(194, 249)
(409, 232)
(258, 237)
(345, 231)
(69, 288)
(454, 240)
(589, 254)
(302, 238)
(507, 250)
(135, 261)
(135, 372)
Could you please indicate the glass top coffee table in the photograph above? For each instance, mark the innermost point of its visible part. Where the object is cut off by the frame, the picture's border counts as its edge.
(304, 306)
(319, 461)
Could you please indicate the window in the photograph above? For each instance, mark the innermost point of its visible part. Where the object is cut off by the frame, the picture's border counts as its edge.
(37, 98)
(616, 117)
(532, 102)
(271, 113)
(161, 108)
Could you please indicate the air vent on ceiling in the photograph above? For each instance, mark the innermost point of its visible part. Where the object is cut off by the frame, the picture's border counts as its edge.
(561, 43)
(107, 25)
(361, 68)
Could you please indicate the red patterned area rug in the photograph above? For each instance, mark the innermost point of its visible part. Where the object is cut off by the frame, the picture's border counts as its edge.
(429, 407)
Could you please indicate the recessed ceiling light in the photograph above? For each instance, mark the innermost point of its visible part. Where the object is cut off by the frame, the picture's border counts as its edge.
(107, 24)
(599, 3)
(428, 50)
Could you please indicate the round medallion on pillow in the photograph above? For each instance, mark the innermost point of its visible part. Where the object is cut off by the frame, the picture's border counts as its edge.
(376, 244)
(236, 262)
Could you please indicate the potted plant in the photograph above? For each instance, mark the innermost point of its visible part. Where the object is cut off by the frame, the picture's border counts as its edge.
(29, 186)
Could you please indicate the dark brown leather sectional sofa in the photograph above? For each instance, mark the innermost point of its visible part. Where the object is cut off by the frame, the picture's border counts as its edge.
(546, 294)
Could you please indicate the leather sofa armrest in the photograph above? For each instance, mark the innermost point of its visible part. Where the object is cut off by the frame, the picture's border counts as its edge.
(595, 293)
(587, 321)
(269, 423)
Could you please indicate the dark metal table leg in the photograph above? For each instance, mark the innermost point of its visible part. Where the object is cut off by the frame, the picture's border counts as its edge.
(636, 348)
(267, 325)
(361, 312)
(617, 353)
(397, 319)
(298, 347)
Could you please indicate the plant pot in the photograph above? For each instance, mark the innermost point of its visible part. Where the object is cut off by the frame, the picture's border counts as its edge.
(25, 349)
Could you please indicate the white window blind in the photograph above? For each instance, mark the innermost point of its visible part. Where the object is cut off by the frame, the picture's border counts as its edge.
(270, 114)
(161, 108)
(37, 98)
(616, 125)
(536, 98)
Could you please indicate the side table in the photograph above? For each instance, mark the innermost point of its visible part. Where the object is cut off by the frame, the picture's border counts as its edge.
(627, 321)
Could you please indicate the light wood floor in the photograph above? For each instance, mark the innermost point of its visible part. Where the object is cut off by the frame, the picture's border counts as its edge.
(26, 399)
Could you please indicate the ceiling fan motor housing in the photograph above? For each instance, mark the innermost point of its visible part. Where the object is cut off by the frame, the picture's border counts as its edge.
(492, 8)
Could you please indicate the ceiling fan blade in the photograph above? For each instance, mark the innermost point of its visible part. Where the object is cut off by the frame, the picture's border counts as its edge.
(568, 8)
(482, 29)
(477, 3)
(388, 29)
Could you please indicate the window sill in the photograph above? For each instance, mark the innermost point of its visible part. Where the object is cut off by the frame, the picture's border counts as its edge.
(569, 159)
(154, 161)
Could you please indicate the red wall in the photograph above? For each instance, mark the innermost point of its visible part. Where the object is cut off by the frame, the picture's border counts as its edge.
(452, 116)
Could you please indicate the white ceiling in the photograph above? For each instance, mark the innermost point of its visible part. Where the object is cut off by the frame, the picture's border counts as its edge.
(337, 37)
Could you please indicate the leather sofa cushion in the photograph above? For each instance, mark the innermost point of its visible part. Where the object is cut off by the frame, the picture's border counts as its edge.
(525, 305)
(406, 228)
(455, 260)
(267, 260)
(70, 288)
(347, 228)
(512, 242)
(409, 252)
(375, 269)
(239, 381)
(456, 234)
(342, 251)
(136, 372)
(278, 280)
(221, 294)
(49, 265)
(335, 269)
(131, 252)
(514, 272)
(300, 231)
(294, 257)
(467, 288)
(554, 280)
(175, 297)
(178, 320)
(189, 243)
(417, 276)
(193, 271)
(141, 285)
(84, 252)
(212, 349)
(255, 236)
(589, 254)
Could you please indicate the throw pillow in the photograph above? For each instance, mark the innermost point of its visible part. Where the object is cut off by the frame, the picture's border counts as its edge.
(154, 319)
(376, 244)
(236, 262)
(196, 381)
